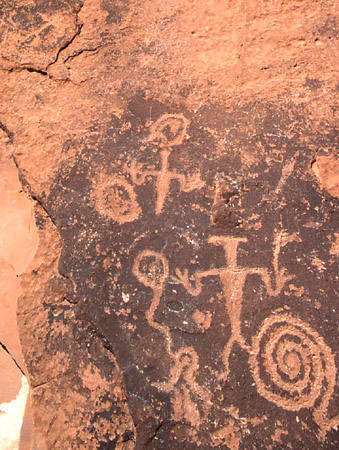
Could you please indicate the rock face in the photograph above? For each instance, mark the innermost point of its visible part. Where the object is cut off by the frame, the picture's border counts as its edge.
(181, 160)
(18, 241)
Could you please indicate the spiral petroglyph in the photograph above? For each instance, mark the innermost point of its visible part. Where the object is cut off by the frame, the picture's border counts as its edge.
(293, 367)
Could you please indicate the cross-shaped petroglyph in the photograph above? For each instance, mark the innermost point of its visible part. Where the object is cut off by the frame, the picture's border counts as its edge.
(151, 269)
(167, 132)
(232, 278)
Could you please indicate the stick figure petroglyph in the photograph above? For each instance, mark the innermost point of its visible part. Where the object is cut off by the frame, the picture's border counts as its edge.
(296, 360)
(232, 278)
(167, 132)
(151, 269)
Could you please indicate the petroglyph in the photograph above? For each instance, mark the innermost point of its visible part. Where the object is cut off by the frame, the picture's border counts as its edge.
(185, 339)
(296, 359)
(151, 269)
(294, 368)
(169, 130)
(166, 132)
(115, 198)
(232, 278)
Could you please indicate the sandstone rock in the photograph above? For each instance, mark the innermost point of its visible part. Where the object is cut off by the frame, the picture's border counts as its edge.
(18, 241)
(13, 398)
(326, 168)
(182, 292)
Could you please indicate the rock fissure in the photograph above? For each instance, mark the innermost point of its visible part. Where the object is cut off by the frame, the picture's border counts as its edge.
(65, 46)
(9, 133)
(84, 50)
(43, 383)
(27, 187)
(14, 360)
(155, 433)
(95, 332)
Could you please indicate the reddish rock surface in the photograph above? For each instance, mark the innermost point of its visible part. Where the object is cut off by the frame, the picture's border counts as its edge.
(18, 242)
(180, 158)
(326, 168)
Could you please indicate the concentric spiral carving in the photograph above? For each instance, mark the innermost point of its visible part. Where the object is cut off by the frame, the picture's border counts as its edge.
(293, 367)
(291, 364)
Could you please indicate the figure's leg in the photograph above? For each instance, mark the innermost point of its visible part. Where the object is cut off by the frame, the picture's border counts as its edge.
(233, 284)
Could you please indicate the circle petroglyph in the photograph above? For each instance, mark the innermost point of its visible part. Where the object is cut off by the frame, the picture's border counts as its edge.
(291, 364)
(117, 200)
(169, 129)
(151, 268)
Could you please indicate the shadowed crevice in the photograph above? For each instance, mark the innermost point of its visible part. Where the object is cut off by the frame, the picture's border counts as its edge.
(3, 346)
(9, 133)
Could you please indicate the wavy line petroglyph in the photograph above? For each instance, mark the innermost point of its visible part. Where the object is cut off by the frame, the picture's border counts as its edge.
(232, 278)
(151, 269)
(168, 131)
(299, 365)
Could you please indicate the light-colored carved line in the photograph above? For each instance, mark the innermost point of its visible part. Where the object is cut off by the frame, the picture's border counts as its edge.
(317, 354)
(232, 279)
(163, 181)
(157, 287)
(285, 173)
(178, 123)
(308, 351)
(163, 177)
(180, 367)
(128, 211)
(291, 367)
(230, 246)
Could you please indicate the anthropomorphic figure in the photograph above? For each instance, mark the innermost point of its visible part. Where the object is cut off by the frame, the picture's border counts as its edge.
(167, 132)
(232, 278)
(151, 269)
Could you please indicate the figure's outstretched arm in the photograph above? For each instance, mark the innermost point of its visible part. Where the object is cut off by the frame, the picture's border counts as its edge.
(280, 275)
(181, 277)
(195, 287)
(190, 182)
(138, 173)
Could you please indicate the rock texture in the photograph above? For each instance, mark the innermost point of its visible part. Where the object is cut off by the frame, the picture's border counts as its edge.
(181, 160)
(18, 242)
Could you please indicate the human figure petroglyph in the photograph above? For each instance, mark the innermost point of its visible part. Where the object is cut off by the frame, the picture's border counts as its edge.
(153, 274)
(151, 269)
(232, 278)
(186, 391)
(291, 347)
(167, 132)
(299, 365)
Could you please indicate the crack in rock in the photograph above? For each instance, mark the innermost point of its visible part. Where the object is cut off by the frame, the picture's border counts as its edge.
(9, 133)
(68, 43)
(31, 68)
(3, 346)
